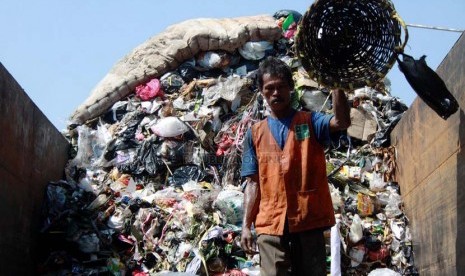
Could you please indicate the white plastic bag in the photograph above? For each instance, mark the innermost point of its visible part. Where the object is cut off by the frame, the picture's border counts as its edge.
(255, 50)
(383, 272)
(230, 202)
(356, 231)
(377, 183)
(392, 209)
(169, 127)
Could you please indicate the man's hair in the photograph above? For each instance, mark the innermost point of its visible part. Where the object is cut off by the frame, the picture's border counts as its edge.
(276, 68)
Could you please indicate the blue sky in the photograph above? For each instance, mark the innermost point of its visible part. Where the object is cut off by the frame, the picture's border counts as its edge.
(59, 50)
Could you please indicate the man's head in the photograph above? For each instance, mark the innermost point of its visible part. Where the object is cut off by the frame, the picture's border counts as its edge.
(275, 82)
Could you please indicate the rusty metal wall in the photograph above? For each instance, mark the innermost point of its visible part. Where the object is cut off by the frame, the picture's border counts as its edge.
(431, 165)
(32, 152)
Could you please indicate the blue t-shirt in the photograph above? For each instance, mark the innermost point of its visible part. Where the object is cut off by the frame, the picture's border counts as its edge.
(279, 129)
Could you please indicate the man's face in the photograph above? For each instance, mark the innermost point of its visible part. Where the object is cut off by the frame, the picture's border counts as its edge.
(276, 92)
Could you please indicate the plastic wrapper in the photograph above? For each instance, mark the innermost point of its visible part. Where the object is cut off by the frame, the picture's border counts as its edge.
(365, 205)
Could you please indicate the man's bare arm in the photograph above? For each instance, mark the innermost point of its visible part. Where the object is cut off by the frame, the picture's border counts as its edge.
(341, 109)
(251, 203)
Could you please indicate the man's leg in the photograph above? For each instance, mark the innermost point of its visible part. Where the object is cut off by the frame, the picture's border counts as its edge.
(274, 255)
(308, 253)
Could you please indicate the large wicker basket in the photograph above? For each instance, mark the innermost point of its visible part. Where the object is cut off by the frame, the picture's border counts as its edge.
(349, 43)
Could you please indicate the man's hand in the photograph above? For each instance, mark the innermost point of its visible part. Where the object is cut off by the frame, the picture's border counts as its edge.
(251, 203)
(247, 241)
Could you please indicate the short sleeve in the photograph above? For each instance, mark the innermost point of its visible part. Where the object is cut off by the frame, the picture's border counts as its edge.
(320, 123)
(249, 157)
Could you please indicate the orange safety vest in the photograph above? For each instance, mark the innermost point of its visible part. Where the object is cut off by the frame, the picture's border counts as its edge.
(293, 180)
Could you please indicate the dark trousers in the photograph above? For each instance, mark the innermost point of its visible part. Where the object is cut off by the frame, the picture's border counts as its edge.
(294, 254)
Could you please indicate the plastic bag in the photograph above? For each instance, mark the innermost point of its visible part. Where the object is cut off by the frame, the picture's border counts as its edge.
(150, 90)
(228, 89)
(148, 160)
(428, 85)
(357, 255)
(174, 152)
(398, 229)
(315, 100)
(211, 60)
(91, 146)
(377, 183)
(89, 243)
(383, 272)
(255, 50)
(116, 113)
(393, 109)
(171, 82)
(392, 209)
(187, 71)
(336, 197)
(184, 174)
(169, 127)
(117, 220)
(230, 203)
(356, 231)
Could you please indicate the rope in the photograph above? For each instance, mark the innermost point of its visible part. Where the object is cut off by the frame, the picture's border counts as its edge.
(435, 28)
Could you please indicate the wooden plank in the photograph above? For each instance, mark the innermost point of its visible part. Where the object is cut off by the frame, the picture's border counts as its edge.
(433, 214)
(32, 152)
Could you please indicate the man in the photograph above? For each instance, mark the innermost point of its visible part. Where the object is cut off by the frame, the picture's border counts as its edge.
(287, 196)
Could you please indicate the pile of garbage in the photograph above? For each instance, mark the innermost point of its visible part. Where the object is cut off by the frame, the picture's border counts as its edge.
(153, 185)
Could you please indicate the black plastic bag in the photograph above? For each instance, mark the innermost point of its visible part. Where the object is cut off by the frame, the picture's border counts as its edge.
(147, 161)
(188, 72)
(171, 82)
(382, 137)
(184, 174)
(116, 113)
(428, 85)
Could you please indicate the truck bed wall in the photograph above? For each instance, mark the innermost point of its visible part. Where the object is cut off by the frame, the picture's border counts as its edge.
(431, 172)
(32, 152)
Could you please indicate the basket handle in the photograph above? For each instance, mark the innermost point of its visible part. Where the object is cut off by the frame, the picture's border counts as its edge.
(400, 49)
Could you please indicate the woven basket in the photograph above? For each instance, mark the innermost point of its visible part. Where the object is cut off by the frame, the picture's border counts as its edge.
(349, 44)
